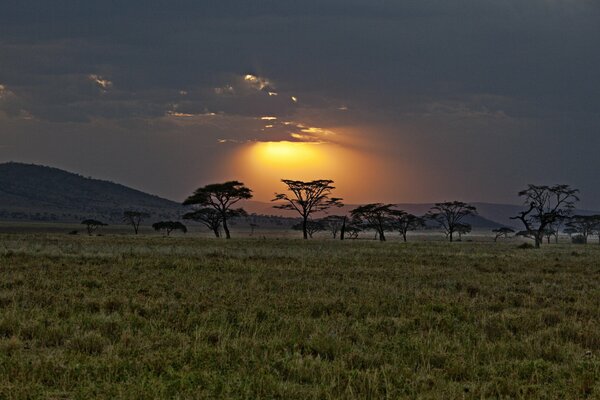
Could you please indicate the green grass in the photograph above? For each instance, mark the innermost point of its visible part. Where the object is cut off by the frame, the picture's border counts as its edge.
(150, 317)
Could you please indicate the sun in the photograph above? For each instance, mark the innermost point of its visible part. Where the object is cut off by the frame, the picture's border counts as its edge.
(287, 154)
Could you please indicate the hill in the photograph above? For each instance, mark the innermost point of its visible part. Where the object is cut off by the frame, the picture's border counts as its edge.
(38, 193)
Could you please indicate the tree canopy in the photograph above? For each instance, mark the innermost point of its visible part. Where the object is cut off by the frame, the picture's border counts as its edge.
(134, 218)
(450, 215)
(169, 226)
(546, 205)
(221, 197)
(92, 225)
(307, 198)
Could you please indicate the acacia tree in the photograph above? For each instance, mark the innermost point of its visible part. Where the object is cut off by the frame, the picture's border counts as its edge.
(208, 217)
(307, 198)
(450, 214)
(502, 232)
(311, 226)
(134, 218)
(376, 216)
(169, 226)
(221, 197)
(405, 222)
(334, 224)
(585, 225)
(546, 206)
(462, 229)
(92, 225)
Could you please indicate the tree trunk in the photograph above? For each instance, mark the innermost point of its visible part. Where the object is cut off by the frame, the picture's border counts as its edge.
(404, 236)
(538, 241)
(304, 231)
(451, 236)
(381, 236)
(216, 231)
(343, 230)
(226, 228)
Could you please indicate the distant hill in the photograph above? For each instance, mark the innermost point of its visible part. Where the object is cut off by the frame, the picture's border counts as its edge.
(37, 193)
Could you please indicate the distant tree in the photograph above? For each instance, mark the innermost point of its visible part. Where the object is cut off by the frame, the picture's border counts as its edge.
(92, 225)
(307, 198)
(253, 227)
(334, 224)
(169, 226)
(352, 231)
(221, 197)
(502, 232)
(585, 225)
(462, 229)
(311, 227)
(449, 215)
(570, 231)
(546, 205)
(405, 222)
(208, 217)
(134, 218)
(376, 216)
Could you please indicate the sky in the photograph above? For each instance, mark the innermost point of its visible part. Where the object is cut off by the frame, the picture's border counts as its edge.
(396, 101)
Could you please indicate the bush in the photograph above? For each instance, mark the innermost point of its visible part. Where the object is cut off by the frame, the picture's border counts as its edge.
(578, 239)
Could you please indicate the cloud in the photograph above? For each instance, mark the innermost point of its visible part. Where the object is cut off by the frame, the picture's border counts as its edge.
(102, 83)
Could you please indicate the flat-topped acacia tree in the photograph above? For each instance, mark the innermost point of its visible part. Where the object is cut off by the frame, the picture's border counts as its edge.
(450, 214)
(221, 197)
(307, 198)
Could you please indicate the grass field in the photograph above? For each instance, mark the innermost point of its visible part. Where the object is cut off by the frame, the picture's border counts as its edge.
(151, 317)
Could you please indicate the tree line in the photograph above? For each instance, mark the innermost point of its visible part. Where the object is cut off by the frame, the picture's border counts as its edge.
(547, 210)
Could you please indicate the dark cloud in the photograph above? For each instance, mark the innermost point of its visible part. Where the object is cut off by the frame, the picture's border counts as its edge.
(497, 82)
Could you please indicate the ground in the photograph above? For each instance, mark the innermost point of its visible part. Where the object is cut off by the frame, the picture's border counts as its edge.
(120, 316)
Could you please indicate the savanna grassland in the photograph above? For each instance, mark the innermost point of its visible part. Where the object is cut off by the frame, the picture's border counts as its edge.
(151, 317)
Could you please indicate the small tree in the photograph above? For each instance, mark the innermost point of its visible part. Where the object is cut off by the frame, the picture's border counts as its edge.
(135, 218)
(502, 232)
(334, 224)
(449, 215)
(92, 225)
(253, 227)
(311, 227)
(307, 198)
(546, 206)
(405, 222)
(352, 231)
(208, 217)
(585, 225)
(221, 197)
(462, 229)
(376, 216)
(169, 226)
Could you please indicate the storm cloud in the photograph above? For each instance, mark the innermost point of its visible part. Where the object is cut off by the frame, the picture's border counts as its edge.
(475, 98)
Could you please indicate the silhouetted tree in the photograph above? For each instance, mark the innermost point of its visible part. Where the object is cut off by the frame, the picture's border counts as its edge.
(405, 222)
(570, 232)
(311, 227)
(502, 232)
(92, 225)
(376, 216)
(307, 198)
(546, 206)
(169, 226)
(135, 218)
(462, 229)
(449, 215)
(352, 231)
(585, 225)
(253, 227)
(334, 224)
(208, 217)
(221, 197)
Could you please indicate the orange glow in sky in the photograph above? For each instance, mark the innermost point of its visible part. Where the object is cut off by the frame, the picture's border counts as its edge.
(262, 165)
